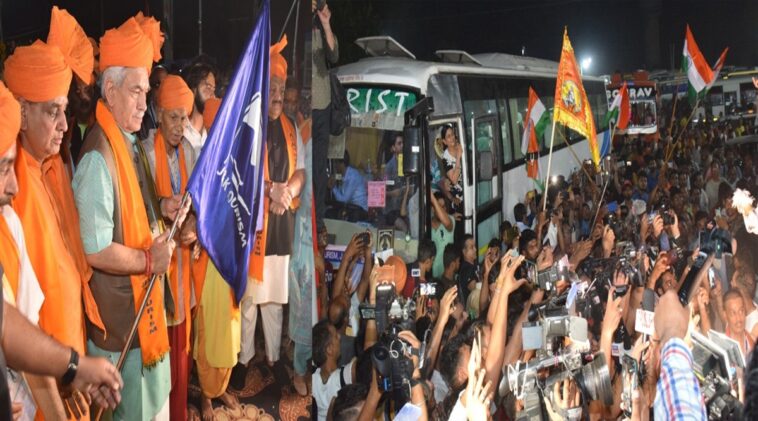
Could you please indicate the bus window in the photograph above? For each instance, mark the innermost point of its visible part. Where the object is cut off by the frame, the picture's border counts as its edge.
(505, 132)
(367, 188)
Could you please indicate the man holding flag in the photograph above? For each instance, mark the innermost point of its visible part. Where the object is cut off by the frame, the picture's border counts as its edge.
(239, 188)
(109, 185)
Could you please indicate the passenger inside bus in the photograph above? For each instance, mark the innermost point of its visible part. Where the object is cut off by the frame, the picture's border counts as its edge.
(348, 186)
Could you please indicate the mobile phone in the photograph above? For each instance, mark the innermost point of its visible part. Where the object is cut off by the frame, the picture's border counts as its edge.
(364, 237)
(428, 288)
(712, 277)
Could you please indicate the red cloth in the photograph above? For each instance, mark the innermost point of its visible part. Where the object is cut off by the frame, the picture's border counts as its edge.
(181, 365)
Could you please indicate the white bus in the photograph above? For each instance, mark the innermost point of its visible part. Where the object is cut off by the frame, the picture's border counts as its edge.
(484, 97)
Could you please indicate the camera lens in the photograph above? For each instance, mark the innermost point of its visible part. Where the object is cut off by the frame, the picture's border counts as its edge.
(595, 379)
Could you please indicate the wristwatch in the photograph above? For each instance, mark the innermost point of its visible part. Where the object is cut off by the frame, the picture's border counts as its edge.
(73, 365)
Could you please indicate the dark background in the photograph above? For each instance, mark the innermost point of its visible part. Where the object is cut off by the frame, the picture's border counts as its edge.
(619, 35)
(225, 29)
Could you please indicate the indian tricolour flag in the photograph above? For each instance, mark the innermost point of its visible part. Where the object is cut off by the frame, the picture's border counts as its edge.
(619, 111)
(699, 75)
(535, 123)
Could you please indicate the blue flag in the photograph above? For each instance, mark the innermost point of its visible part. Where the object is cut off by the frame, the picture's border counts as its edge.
(226, 184)
(606, 144)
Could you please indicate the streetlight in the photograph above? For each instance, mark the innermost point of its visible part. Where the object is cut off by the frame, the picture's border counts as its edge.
(586, 62)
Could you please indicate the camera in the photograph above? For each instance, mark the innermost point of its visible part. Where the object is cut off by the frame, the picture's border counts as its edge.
(320, 4)
(613, 222)
(664, 210)
(395, 369)
(717, 241)
(535, 380)
(548, 278)
(713, 369)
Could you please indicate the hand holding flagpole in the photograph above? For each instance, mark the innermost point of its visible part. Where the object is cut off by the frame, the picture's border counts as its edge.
(178, 221)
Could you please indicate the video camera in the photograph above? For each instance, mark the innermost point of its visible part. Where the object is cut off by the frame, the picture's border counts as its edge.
(713, 368)
(393, 314)
(717, 241)
(548, 278)
(529, 383)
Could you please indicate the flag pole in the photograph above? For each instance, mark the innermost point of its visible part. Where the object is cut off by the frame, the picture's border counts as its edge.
(549, 163)
(579, 162)
(183, 209)
(673, 111)
(679, 135)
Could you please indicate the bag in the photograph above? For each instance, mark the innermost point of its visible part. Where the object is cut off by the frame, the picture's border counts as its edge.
(339, 109)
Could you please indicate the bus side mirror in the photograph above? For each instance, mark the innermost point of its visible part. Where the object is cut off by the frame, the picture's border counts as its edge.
(484, 165)
(412, 138)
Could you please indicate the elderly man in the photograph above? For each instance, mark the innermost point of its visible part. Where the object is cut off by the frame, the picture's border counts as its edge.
(111, 190)
(172, 159)
(269, 263)
(39, 76)
(22, 345)
(201, 79)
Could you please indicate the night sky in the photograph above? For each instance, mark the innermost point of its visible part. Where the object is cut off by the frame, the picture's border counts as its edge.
(226, 23)
(619, 35)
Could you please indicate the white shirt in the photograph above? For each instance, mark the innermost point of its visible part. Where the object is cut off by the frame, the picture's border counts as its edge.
(323, 393)
(440, 387)
(195, 138)
(751, 320)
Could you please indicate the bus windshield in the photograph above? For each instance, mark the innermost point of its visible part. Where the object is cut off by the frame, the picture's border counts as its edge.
(367, 187)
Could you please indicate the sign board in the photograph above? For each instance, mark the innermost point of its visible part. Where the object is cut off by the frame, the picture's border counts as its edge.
(379, 108)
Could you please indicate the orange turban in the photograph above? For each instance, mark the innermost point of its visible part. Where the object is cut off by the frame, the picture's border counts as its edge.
(277, 63)
(152, 28)
(174, 93)
(66, 34)
(10, 119)
(209, 112)
(126, 46)
(38, 72)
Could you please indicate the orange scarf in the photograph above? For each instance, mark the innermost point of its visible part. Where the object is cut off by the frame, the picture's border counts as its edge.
(153, 335)
(164, 189)
(53, 263)
(9, 257)
(58, 181)
(255, 269)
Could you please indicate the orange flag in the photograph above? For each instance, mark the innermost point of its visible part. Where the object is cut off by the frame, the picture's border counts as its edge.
(571, 106)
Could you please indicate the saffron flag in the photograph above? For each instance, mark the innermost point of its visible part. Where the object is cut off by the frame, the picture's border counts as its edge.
(700, 76)
(226, 185)
(619, 112)
(535, 123)
(571, 106)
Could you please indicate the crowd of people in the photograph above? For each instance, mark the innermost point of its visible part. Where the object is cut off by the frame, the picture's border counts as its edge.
(600, 307)
(99, 140)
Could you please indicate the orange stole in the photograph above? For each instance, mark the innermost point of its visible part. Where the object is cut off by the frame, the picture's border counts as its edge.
(61, 313)
(58, 183)
(255, 268)
(163, 188)
(9, 257)
(153, 335)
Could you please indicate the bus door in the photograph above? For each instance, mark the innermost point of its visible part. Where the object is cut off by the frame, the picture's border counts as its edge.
(487, 175)
(436, 170)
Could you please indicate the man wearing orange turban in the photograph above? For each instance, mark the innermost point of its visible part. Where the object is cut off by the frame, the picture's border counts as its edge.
(66, 34)
(40, 76)
(269, 263)
(172, 159)
(112, 188)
